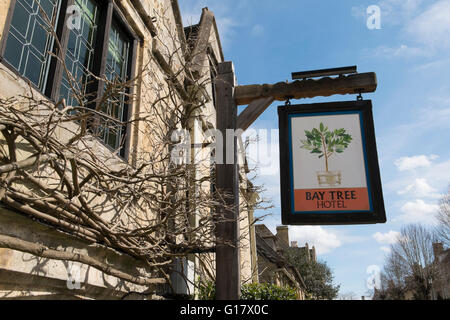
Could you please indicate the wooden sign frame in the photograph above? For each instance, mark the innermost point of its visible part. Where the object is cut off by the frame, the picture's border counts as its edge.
(327, 205)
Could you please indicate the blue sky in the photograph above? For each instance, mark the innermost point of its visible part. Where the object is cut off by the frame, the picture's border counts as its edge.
(267, 40)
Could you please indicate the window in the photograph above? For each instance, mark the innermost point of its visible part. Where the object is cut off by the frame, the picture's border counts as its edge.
(29, 43)
(102, 46)
(79, 57)
(116, 71)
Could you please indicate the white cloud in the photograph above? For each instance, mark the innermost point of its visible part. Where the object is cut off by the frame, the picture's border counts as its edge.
(397, 11)
(420, 188)
(418, 211)
(402, 51)
(387, 238)
(432, 27)
(439, 173)
(425, 24)
(433, 66)
(323, 240)
(410, 163)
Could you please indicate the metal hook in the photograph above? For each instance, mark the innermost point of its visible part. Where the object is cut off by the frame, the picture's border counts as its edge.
(288, 100)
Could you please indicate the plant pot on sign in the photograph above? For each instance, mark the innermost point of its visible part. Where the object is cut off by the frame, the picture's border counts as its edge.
(329, 178)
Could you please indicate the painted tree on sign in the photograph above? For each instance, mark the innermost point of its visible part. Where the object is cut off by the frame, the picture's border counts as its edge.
(324, 143)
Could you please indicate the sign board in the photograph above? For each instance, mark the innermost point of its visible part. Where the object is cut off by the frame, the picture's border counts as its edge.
(329, 164)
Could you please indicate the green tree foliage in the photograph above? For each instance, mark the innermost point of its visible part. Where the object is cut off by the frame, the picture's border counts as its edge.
(206, 289)
(253, 291)
(317, 276)
(324, 142)
(267, 291)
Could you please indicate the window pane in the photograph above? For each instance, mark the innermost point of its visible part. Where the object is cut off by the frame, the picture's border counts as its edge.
(13, 54)
(80, 53)
(29, 44)
(119, 47)
(39, 38)
(21, 13)
(117, 71)
(33, 67)
(47, 6)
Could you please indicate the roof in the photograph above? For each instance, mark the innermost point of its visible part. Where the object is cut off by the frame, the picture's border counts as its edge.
(264, 249)
(263, 231)
(198, 36)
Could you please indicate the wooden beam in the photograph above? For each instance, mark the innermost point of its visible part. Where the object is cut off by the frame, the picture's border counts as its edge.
(351, 84)
(227, 182)
(324, 73)
(252, 112)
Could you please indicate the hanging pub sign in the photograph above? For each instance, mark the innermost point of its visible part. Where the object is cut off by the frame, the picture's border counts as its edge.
(329, 164)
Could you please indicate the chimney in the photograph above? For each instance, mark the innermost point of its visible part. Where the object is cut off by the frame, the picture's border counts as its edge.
(283, 234)
(437, 249)
(294, 244)
(313, 254)
(307, 253)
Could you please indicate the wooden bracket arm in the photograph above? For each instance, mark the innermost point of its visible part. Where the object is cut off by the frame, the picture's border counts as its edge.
(252, 112)
(351, 84)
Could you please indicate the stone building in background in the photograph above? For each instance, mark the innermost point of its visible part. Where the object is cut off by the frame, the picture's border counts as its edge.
(273, 267)
(441, 284)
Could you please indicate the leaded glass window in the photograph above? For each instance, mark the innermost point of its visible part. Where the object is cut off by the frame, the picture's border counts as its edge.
(79, 56)
(29, 41)
(100, 47)
(116, 71)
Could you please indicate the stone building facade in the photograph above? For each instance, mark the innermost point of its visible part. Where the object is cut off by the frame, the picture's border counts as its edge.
(126, 41)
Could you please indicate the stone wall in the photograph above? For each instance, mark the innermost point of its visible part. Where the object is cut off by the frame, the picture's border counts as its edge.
(28, 276)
